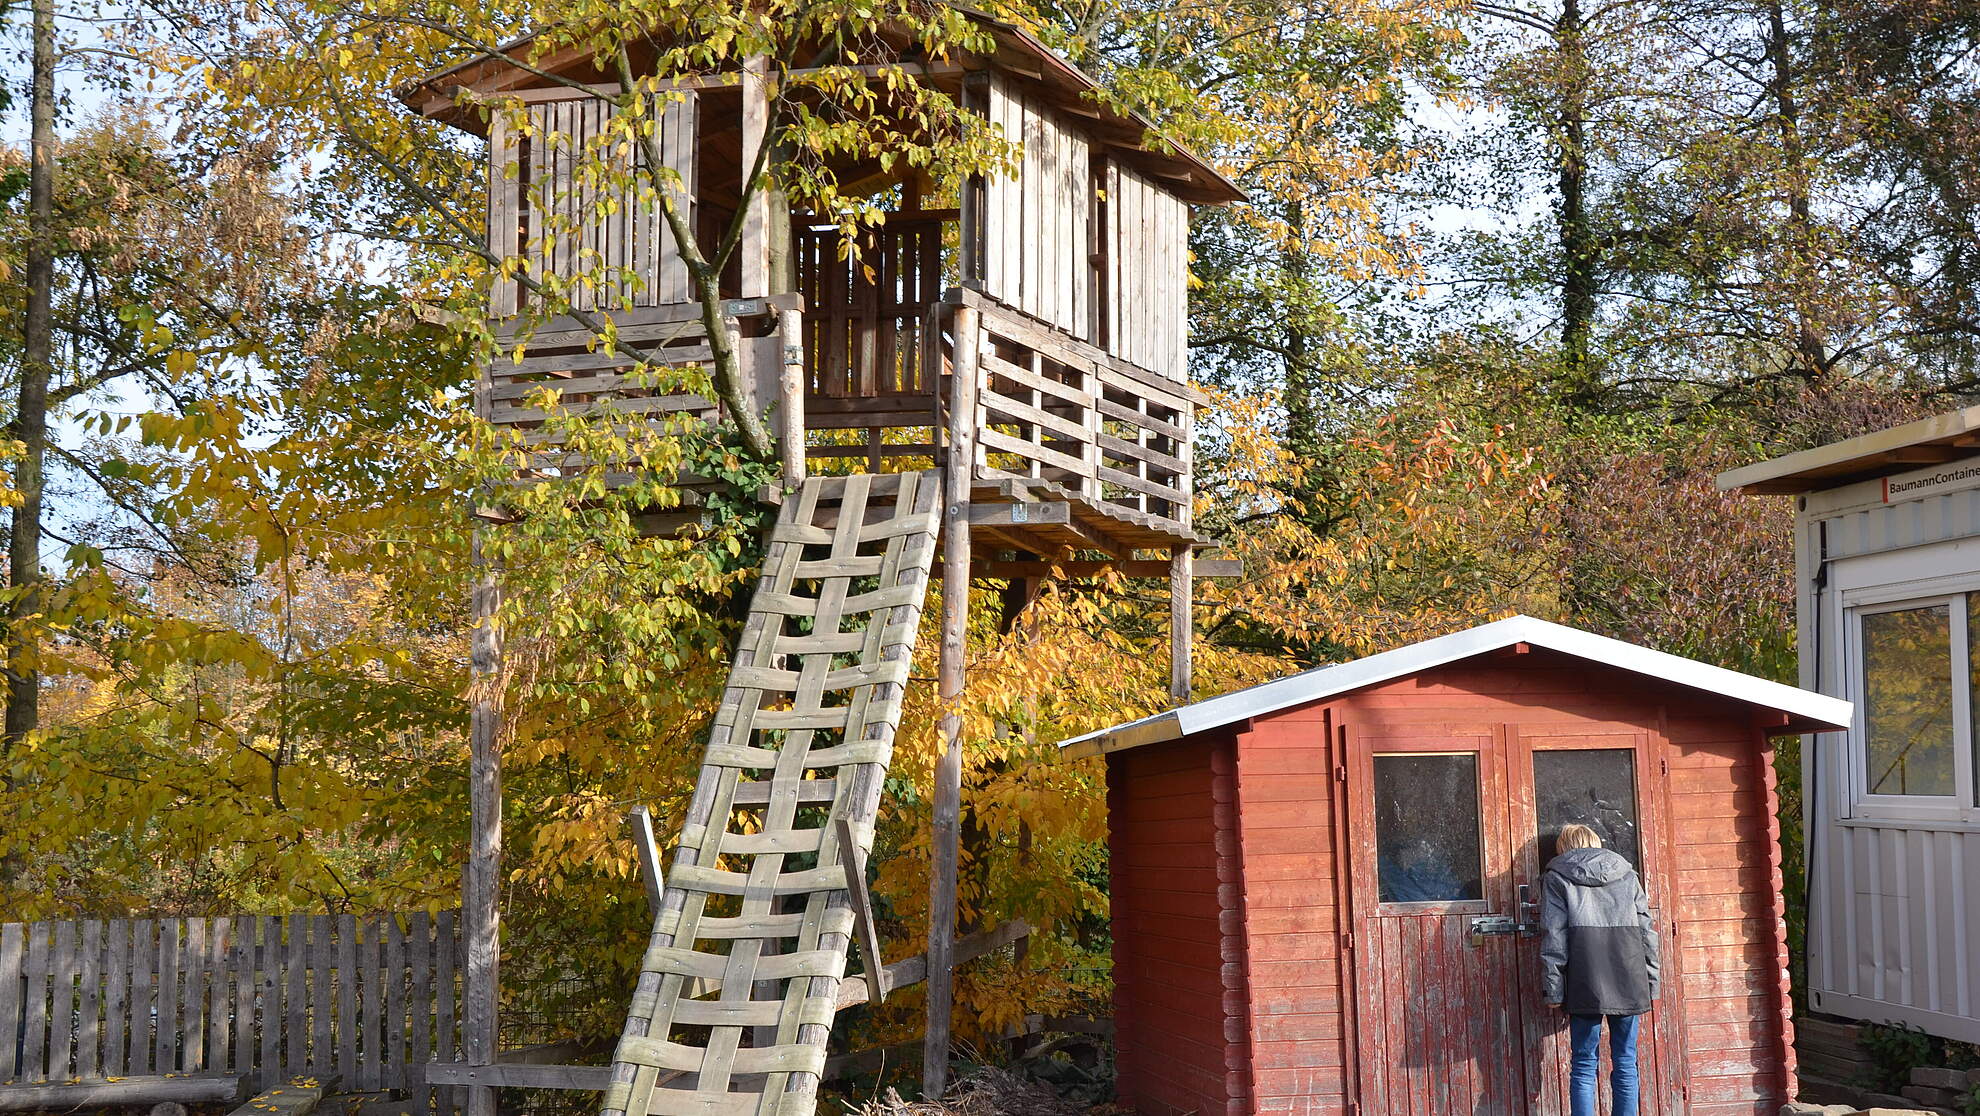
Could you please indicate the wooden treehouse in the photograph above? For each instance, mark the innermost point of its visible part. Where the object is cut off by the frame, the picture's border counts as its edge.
(1003, 370)
(1049, 305)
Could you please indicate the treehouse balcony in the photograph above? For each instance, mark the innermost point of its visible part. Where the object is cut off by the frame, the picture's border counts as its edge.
(1045, 308)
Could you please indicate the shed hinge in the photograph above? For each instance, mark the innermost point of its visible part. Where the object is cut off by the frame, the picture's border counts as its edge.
(1340, 773)
(1665, 766)
(1347, 941)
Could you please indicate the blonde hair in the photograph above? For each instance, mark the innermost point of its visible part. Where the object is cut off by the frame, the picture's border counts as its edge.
(1577, 837)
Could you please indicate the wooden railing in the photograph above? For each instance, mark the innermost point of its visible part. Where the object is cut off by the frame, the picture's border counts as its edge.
(1054, 408)
(868, 354)
(367, 1000)
(565, 355)
(1050, 407)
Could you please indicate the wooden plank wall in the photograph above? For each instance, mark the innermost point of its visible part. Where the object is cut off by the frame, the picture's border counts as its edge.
(1293, 959)
(1179, 1006)
(370, 1000)
(544, 208)
(1730, 930)
(1037, 226)
(1147, 283)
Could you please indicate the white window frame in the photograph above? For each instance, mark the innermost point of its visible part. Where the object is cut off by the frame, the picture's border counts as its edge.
(1911, 578)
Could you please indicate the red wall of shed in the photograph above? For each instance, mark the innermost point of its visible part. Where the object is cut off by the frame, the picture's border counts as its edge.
(1292, 943)
(1178, 930)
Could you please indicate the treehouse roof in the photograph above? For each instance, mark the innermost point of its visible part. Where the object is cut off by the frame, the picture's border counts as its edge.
(1018, 56)
(1804, 711)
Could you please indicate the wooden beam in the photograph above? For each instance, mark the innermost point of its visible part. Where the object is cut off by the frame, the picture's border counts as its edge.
(1182, 628)
(1020, 514)
(790, 398)
(917, 69)
(299, 1097)
(519, 1075)
(914, 970)
(70, 1096)
(1925, 455)
(864, 929)
(1133, 567)
(753, 251)
(641, 823)
(959, 465)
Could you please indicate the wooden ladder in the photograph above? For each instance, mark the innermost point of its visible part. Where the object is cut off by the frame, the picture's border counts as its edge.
(742, 975)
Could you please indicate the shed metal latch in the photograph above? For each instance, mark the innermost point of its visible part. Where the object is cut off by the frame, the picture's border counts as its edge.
(1489, 925)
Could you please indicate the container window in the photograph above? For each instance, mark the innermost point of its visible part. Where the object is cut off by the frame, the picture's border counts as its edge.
(1427, 842)
(1908, 733)
(1973, 685)
(1595, 787)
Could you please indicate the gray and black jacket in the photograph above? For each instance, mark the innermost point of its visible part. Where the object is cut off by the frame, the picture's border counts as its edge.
(1598, 947)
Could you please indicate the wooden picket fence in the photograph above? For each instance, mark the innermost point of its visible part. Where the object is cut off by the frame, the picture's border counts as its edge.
(368, 1000)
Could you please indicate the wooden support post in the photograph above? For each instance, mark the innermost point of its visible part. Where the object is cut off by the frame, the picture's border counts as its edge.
(790, 398)
(754, 247)
(480, 913)
(641, 822)
(1182, 563)
(1181, 627)
(958, 470)
(864, 929)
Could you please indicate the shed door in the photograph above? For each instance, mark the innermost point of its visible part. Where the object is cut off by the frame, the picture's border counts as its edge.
(1601, 778)
(1438, 1016)
(1448, 829)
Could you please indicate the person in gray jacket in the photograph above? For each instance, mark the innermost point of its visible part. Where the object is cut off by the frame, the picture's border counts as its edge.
(1598, 960)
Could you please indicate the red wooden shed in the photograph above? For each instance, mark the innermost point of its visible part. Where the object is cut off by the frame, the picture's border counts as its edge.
(1320, 884)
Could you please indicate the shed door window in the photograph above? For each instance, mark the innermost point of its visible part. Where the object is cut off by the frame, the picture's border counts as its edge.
(1916, 667)
(1427, 845)
(1595, 787)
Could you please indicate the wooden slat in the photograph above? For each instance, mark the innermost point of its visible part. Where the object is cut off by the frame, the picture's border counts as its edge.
(13, 968)
(322, 1061)
(271, 985)
(1070, 429)
(34, 1043)
(394, 980)
(62, 1001)
(89, 1031)
(295, 1013)
(447, 1099)
(116, 998)
(192, 1034)
(369, 944)
(347, 998)
(165, 1021)
(578, 1078)
(1000, 442)
(219, 999)
(245, 993)
(419, 959)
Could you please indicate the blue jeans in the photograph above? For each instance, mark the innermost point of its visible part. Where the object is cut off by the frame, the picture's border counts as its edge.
(1585, 1042)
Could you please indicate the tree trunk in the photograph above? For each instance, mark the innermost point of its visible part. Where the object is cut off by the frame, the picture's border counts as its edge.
(1811, 346)
(31, 411)
(1577, 242)
(1302, 392)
